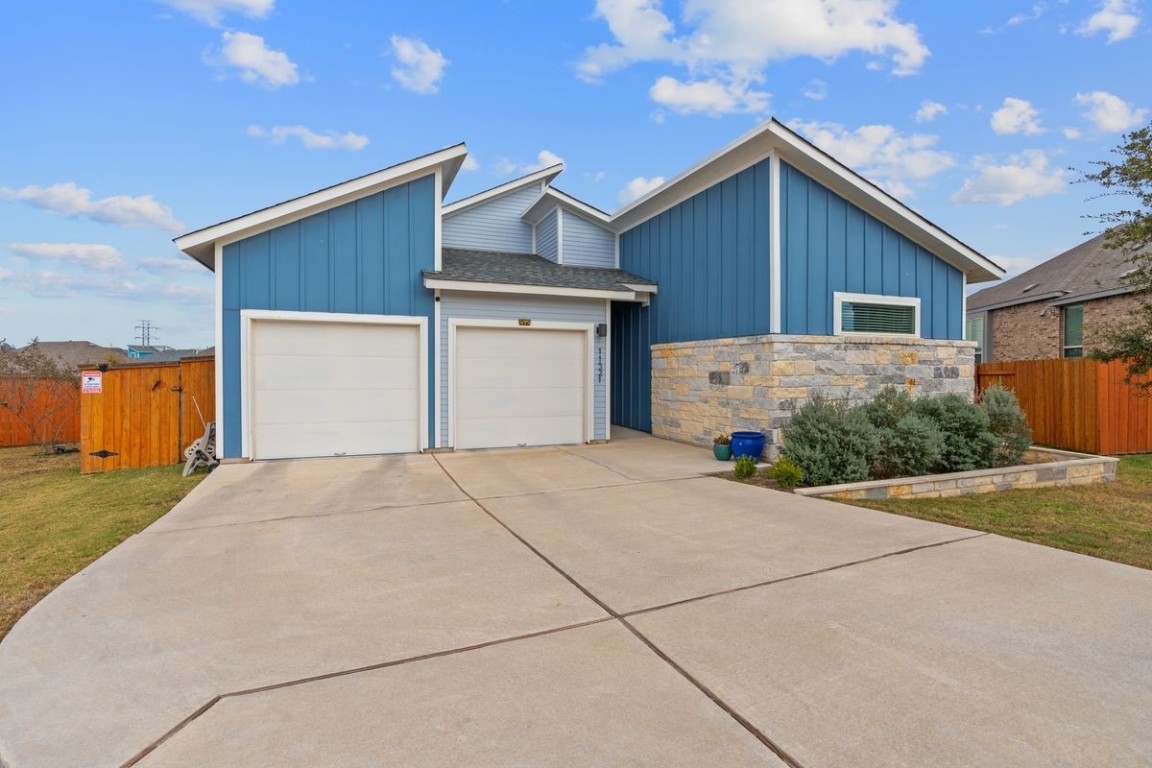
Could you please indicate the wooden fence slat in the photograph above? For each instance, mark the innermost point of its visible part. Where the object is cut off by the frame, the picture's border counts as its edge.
(1077, 404)
(144, 414)
(63, 426)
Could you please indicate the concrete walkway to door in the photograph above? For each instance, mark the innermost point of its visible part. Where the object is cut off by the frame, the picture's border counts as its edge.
(594, 605)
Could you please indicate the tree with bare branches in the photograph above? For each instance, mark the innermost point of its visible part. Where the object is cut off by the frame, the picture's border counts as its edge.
(38, 390)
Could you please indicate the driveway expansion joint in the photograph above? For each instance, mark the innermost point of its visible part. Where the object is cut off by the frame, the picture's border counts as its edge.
(346, 673)
(806, 574)
(712, 696)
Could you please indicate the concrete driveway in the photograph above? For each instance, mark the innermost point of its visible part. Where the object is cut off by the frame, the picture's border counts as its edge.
(594, 606)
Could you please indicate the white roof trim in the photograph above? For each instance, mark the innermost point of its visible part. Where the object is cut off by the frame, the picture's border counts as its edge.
(552, 197)
(758, 144)
(544, 175)
(533, 290)
(199, 244)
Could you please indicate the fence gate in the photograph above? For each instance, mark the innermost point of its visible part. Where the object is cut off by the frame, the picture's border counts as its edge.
(144, 415)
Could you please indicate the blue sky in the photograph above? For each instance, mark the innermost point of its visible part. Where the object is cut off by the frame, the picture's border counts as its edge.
(129, 122)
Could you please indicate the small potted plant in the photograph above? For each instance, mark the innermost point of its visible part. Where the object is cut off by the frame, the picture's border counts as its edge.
(722, 447)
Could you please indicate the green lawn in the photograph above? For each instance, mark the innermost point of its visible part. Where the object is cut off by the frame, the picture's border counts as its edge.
(1112, 521)
(54, 521)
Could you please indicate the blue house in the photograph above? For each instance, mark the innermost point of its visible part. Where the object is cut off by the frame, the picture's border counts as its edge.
(371, 317)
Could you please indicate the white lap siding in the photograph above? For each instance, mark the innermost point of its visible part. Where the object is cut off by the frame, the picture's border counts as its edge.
(492, 306)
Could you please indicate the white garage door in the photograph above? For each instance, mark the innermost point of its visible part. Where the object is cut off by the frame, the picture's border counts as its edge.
(333, 389)
(519, 386)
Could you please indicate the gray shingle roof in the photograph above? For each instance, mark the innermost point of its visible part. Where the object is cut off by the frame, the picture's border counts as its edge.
(529, 269)
(1087, 269)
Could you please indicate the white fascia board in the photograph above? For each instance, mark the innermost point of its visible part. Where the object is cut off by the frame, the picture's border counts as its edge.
(552, 197)
(543, 176)
(531, 290)
(772, 136)
(199, 244)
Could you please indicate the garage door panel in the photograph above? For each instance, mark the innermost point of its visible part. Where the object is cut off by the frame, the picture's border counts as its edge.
(334, 388)
(518, 386)
(321, 373)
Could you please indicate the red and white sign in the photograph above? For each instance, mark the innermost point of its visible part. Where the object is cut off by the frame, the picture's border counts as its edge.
(91, 382)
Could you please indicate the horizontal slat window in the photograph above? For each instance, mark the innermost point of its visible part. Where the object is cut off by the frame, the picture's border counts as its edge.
(877, 315)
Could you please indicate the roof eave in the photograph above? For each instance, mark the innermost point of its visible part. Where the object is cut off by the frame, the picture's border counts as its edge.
(625, 294)
(551, 198)
(200, 244)
(544, 176)
(760, 143)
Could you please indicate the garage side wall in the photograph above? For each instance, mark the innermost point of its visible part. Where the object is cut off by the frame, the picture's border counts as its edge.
(363, 257)
(490, 306)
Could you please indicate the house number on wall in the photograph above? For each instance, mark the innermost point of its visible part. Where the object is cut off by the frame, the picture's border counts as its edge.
(525, 321)
(599, 365)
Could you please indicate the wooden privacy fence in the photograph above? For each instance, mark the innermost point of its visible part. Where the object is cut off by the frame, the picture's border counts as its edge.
(145, 415)
(49, 412)
(1077, 404)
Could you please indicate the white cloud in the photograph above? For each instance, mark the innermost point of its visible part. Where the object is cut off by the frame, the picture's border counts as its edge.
(725, 45)
(1037, 10)
(56, 285)
(309, 139)
(929, 111)
(638, 187)
(257, 63)
(420, 68)
(710, 97)
(1070, 133)
(72, 200)
(94, 256)
(1017, 116)
(817, 90)
(1116, 17)
(1024, 176)
(1110, 113)
(544, 159)
(881, 152)
(212, 11)
(168, 266)
(470, 163)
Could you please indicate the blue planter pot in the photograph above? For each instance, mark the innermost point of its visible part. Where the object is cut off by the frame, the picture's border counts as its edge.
(747, 444)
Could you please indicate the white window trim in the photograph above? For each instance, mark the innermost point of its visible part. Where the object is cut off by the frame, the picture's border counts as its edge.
(248, 317)
(589, 330)
(872, 298)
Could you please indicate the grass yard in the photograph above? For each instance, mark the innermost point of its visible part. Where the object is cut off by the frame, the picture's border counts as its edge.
(1111, 521)
(54, 521)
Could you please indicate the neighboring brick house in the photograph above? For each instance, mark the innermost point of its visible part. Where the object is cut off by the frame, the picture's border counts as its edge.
(1055, 309)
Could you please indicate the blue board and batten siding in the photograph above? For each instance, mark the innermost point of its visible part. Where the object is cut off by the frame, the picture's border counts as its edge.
(829, 245)
(364, 257)
(547, 242)
(486, 306)
(587, 244)
(494, 225)
(710, 256)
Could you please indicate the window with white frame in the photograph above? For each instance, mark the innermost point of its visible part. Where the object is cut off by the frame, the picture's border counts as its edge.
(974, 331)
(876, 315)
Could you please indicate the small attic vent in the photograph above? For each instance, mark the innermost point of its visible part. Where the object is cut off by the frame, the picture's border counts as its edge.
(1029, 287)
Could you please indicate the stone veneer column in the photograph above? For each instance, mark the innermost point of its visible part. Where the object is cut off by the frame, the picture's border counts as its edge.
(702, 388)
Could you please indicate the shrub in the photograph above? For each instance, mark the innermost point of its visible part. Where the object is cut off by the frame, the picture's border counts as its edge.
(785, 473)
(968, 443)
(886, 410)
(1006, 420)
(830, 442)
(745, 467)
(912, 446)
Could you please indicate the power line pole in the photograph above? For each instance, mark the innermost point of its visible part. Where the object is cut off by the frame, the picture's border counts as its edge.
(144, 333)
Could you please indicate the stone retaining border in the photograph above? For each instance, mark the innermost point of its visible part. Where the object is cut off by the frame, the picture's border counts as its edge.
(1075, 469)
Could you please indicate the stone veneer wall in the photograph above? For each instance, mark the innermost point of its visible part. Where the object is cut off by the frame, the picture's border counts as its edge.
(702, 388)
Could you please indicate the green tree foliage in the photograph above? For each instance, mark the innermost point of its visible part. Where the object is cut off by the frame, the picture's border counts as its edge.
(1129, 177)
(1006, 420)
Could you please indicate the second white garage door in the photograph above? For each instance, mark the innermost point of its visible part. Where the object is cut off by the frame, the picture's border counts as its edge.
(519, 386)
(333, 388)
